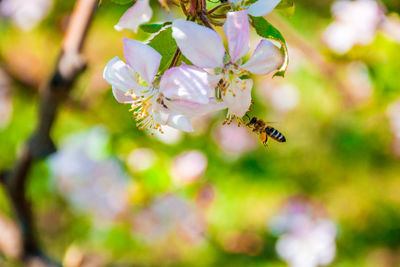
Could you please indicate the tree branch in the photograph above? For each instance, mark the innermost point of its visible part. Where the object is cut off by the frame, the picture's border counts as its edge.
(69, 65)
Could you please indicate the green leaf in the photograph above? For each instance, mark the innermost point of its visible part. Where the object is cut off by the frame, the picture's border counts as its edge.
(266, 30)
(122, 2)
(118, 2)
(163, 42)
(287, 7)
(153, 27)
(285, 4)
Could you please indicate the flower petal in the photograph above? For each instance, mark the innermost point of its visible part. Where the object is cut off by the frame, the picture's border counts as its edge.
(192, 109)
(122, 97)
(262, 7)
(180, 122)
(239, 99)
(236, 29)
(186, 83)
(201, 45)
(266, 58)
(139, 13)
(142, 58)
(122, 79)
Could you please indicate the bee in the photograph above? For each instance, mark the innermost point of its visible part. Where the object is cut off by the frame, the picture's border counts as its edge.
(264, 131)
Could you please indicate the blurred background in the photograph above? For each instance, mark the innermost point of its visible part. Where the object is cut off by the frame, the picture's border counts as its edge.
(112, 196)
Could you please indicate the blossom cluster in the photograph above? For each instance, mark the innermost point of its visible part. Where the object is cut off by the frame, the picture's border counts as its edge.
(203, 76)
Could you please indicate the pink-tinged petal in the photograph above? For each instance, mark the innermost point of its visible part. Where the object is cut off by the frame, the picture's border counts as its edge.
(121, 97)
(239, 100)
(192, 109)
(186, 83)
(180, 122)
(266, 58)
(138, 14)
(201, 45)
(122, 78)
(142, 58)
(236, 29)
(262, 7)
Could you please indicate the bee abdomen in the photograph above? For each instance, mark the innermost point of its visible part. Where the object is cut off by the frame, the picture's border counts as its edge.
(275, 134)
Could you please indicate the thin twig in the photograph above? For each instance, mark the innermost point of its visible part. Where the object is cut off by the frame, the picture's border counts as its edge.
(175, 59)
(68, 66)
(216, 8)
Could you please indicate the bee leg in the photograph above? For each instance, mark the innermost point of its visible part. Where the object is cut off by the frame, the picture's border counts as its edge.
(264, 138)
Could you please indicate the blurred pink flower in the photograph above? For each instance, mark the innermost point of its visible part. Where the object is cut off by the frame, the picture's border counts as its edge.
(205, 196)
(307, 238)
(234, 84)
(25, 13)
(139, 13)
(170, 215)
(188, 167)
(233, 139)
(355, 24)
(6, 105)
(391, 27)
(360, 84)
(141, 159)
(10, 238)
(93, 182)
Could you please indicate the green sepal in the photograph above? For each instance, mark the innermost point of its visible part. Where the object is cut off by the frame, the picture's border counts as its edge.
(118, 2)
(153, 27)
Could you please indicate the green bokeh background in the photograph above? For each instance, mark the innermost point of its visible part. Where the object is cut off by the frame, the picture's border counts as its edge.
(337, 154)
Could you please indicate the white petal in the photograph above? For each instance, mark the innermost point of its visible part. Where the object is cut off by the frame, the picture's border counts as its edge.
(266, 58)
(192, 109)
(262, 7)
(236, 29)
(201, 45)
(121, 97)
(122, 78)
(139, 13)
(180, 122)
(186, 83)
(142, 58)
(239, 100)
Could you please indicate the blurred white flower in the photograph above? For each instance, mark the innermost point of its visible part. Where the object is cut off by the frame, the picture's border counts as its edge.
(307, 239)
(141, 159)
(171, 136)
(170, 215)
(355, 24)
(6, 106)
(283, 97)
(188, 167)
(93, 182)
(26, 14)
(233, 139)
(359, 82)
(393, 113)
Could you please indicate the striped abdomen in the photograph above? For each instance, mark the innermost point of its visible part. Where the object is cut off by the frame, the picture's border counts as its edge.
(275, 134)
